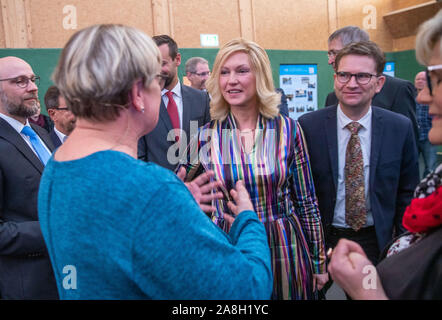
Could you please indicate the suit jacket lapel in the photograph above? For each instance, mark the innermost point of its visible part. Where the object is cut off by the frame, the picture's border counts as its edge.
(9, 134)
(164, 116)
(331, 136)
(376, 142)
(46, 138)
(186, 110)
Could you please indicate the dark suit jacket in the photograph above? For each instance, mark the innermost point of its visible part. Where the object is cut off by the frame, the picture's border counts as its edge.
(396, 95)
(55, 139)
(25, 268)
(155, 146)
(394, 171)
(283, 107)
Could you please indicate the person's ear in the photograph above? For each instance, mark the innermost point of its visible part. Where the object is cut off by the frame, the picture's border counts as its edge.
(380, 83)
(178, 59)
(52, 113)
(136, 95)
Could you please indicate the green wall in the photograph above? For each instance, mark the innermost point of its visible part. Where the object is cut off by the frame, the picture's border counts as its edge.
(43, 62)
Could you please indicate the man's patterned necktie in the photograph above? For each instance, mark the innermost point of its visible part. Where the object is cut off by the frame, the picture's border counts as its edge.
(355, 210)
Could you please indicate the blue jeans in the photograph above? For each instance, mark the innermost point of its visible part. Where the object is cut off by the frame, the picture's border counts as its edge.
(429, 154)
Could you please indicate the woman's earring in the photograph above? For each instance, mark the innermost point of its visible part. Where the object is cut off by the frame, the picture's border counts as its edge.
(142, 110)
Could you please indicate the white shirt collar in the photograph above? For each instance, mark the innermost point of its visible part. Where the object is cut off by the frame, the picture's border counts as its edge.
(343, 120)
(60, 135)
(17, 125)
(176, 90)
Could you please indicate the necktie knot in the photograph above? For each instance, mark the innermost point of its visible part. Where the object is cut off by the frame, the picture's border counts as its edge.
(169, 94)
(37, 145)
(354, 127)
(29, 132)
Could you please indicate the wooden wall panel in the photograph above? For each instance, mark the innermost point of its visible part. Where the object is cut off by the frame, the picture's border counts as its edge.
(16, 23)
(48, 30)
(274, 24)
(351, 12)
(290, 25)
(2, 31)
(401, 4)
(405, 43)
(194, 17)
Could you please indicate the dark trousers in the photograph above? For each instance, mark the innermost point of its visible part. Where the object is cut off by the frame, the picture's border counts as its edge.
(365, 237)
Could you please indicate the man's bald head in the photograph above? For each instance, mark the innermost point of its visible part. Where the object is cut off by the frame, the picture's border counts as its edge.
(11, 66)
(420, 81)
(18, 91)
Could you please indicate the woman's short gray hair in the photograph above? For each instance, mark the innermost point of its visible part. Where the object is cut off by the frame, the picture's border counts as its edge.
(429, 33)
(98, 67)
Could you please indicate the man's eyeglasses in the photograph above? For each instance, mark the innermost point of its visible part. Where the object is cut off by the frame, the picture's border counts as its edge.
(23, 81)
(428, 75)
(61, 108)
(361, 78)
(202, 74)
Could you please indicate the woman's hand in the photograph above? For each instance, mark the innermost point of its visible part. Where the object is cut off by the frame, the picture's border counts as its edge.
(348, 269)
(241, 202)
(202, 189)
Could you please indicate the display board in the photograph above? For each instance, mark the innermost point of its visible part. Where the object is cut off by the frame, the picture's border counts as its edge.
(300, 85)
(389, 69)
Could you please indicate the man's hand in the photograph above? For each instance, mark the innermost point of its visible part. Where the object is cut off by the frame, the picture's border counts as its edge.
(202, 189)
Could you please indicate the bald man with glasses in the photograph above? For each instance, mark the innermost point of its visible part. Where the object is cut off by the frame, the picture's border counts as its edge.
(25, 268)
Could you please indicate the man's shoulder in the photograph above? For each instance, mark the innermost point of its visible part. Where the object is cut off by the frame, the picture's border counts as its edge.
(392, 117)
(40, 131)
(192, 91)
(318, 114)
(396, 83)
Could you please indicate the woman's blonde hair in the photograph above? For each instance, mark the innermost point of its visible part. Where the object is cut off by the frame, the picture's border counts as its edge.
(429, 33)
(268, 99)
(98, 67)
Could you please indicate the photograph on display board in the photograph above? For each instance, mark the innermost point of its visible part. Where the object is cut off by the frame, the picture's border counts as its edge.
(300, 84)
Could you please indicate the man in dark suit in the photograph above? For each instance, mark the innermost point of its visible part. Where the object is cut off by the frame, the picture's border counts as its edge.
(183, 109)
(63, 119)
(396, 95)
(25, 268)
(363, 158)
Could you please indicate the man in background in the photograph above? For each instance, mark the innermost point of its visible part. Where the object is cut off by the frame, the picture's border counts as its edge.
(363, 158)
(180, 105)
(396, 95)
(424, 146)
(197, 71)
(63, 119)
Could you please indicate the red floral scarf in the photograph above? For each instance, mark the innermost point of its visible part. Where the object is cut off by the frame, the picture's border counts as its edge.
(425, 210)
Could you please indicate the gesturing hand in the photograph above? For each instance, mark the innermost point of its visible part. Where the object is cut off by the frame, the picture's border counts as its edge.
(346, 267)
(202, 189)
(241, 202)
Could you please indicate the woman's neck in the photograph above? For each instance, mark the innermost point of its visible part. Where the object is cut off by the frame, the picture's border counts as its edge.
(245, 117)
(89, 137)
